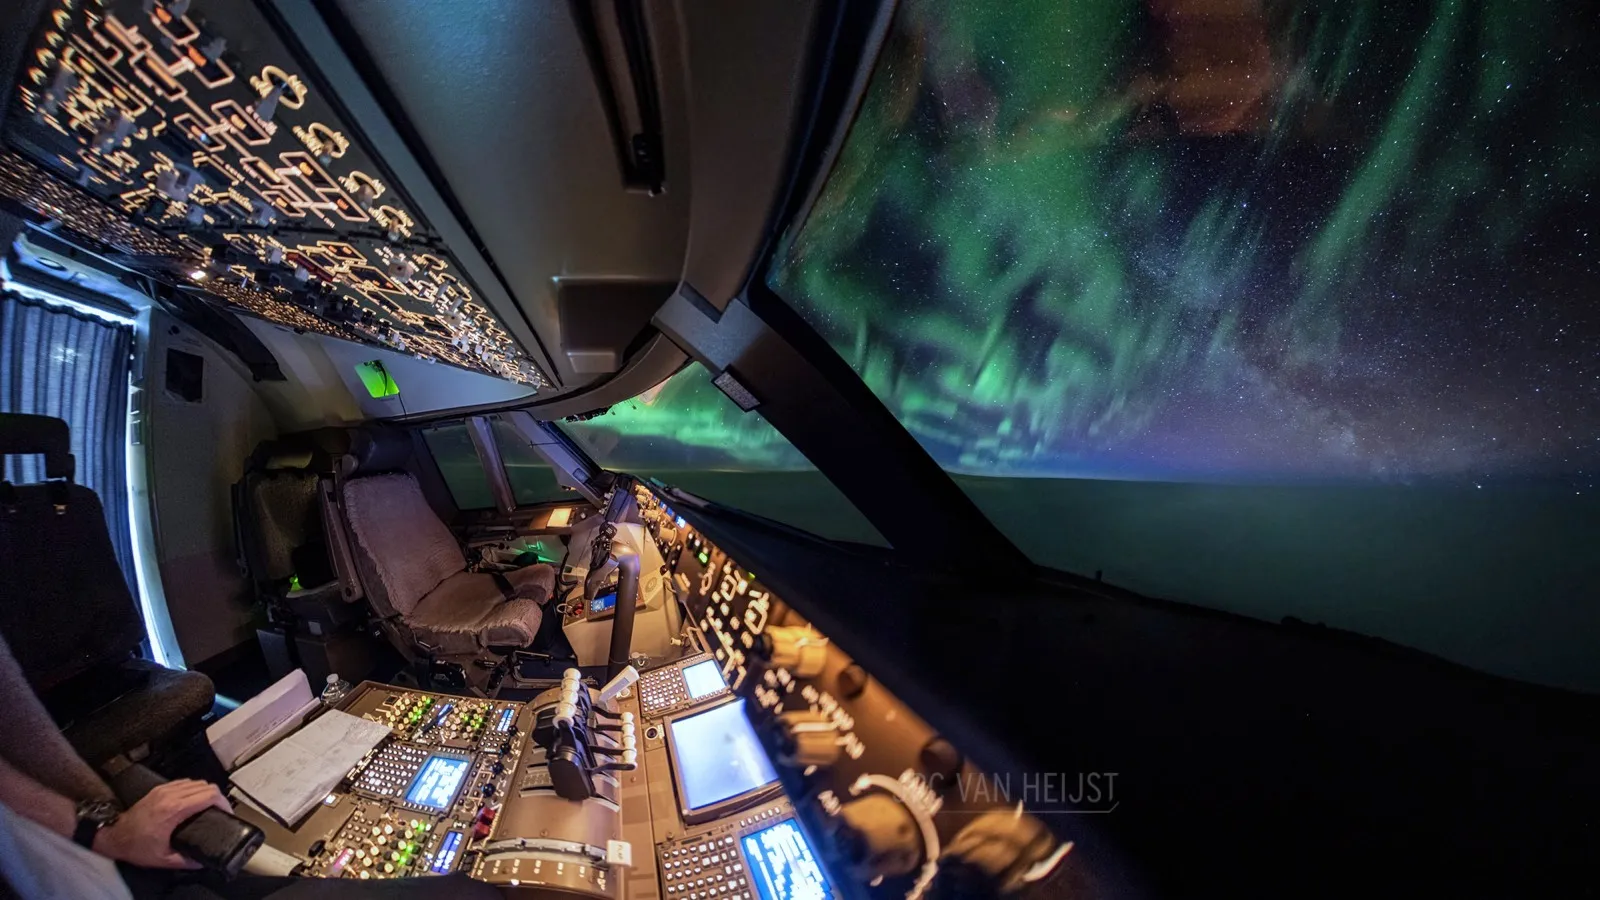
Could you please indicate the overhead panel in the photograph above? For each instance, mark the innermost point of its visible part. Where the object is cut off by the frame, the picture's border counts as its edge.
(185, 141)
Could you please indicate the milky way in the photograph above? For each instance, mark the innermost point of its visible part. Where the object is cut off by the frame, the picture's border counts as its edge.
(1185, 239)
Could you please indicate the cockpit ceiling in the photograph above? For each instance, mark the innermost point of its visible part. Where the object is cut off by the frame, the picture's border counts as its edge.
(506, 104)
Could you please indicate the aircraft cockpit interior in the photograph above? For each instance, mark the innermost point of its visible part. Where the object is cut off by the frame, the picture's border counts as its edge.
(797, 449)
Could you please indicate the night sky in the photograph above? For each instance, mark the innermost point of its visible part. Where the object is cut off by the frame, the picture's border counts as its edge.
(1283, 310)
(685, 423)
(1188, 240)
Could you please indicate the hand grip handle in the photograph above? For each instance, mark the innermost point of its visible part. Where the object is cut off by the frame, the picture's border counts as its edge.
(219, 841)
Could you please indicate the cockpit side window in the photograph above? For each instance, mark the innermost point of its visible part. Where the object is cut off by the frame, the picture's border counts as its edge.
(1282, 308)
(688, 434)
(452, 450)
(532, 479)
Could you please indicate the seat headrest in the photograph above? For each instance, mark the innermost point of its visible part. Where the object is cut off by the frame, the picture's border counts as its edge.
(288, 460)
(379, 450)
(316, 451)
(21, 433)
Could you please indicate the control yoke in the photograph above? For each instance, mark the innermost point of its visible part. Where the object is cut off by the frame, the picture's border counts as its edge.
(627, 564)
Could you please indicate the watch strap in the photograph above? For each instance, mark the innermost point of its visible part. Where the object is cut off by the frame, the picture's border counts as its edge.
(92, 816)
(83, 834)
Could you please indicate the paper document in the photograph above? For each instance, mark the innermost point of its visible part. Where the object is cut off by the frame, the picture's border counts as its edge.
(262, 719)
(297, 774)
(269, 860)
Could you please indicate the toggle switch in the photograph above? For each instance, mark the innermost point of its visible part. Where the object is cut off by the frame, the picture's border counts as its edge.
(112, 132)
(268, 105)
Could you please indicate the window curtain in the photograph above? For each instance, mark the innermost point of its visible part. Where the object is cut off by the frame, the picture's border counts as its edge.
(56, 362)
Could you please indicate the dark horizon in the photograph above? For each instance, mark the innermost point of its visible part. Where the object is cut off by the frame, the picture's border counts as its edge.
(1502, 581)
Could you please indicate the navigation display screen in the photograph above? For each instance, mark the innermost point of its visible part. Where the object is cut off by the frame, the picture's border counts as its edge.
(603, 602)
(446, 855)
(436, 783)
(717, 756)
(783, 865)
(704, 679)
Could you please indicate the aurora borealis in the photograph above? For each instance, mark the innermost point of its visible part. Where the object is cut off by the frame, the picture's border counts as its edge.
(1278, 308)
(1200, 240)
(684, 423)
(686, 433)
(1206, 240)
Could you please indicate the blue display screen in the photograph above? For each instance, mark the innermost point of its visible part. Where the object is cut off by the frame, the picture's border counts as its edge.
(603, 602)
(444, 711)
(446, 856)
(436, 783)
(718, 756)
(703, 678)
(506, 719)
(783, 865)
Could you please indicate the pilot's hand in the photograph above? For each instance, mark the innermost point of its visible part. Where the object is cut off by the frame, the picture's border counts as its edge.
(142, 836)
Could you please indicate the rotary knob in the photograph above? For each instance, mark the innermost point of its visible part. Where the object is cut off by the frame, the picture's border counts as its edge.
(803, 738)
(996, 853)
(878, 837)
(800, 650)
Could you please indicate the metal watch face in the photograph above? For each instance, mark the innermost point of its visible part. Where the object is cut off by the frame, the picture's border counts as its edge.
(100, 812)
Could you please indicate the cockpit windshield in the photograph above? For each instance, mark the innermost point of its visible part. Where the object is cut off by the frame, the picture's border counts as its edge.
(1284, 308)
(688, 434)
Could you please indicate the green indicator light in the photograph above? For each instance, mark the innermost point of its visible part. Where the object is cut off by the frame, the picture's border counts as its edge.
(704, 557)
(377, 380)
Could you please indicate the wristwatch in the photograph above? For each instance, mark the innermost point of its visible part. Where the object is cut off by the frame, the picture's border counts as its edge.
(94, 815)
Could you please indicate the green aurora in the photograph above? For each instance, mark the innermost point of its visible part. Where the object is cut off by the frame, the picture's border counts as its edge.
(686, 424)
(1346, 241)
(1111, 240)
(1048, 256)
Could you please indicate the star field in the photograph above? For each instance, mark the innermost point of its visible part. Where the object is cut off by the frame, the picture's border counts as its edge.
(1194, 240)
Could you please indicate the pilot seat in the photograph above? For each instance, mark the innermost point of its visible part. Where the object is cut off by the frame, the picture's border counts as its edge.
(73, 623)
(428, 601)
(296, 555)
